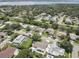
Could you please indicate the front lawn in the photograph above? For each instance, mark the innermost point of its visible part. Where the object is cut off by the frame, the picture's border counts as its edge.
(26, 44)
(68, 55)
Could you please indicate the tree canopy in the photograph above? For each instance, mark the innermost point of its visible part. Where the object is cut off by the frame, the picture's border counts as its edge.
(66, 45)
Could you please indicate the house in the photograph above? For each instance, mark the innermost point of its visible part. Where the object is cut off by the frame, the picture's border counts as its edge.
(61, 34)
(1, 22)
(50, 31)
(48, 39)
(73, 36)
(39, 17)
(75, 20)
(53, 49)
(68, 20)
(55, 18)
(2, 36)
(38, 29)
(61, 14)
(23, 25)
(9, 22)
(40, 46)
(48, 17)
(43, 16)
(32, 27)
(49, 56)
(9, 52)
(19, 39)
(75, 51)
(28, 34)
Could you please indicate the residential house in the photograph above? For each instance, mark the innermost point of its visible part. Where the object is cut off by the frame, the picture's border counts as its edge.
(61, 34)
(54, 50)
(73, 36)
(38, 29)
(75, 51)
(42, 16)
(50, 31)
(32, 27)
(1, 22)
(48, 17)
(9, 22)
(40, 46)
(75, 20)
(49, 56)
(49, 39)
(28, 34)
(23, 25)
(68, 20)
(39, 17)
(9, 52)
(61, 14)
(19, 39)
(2, 36)
(55, 18)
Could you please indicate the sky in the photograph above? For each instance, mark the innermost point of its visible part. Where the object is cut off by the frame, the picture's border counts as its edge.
(33, 2)
(41, 0)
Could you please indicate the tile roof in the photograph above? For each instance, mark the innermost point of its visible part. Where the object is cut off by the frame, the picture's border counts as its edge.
(41, 45)
(7, 53)
(2, 34)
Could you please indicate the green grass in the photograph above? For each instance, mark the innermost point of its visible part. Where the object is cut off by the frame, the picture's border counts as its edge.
(68, 55)
(26, 44)
(77, 41)
(45, 34)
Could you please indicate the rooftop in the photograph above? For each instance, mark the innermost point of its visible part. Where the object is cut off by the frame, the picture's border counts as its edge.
(19, 39)
(53, 49)
(41, 45)
(2, 34)
(7, 53)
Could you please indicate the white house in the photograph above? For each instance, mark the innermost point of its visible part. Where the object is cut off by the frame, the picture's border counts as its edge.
(61, 34)
(54, 18)
(68, 20)
(28, 34)
(73, 36)
(40, 46)
(53, 49)
(50, 31)
(19, 39)
(43, 16)
(49, 56)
